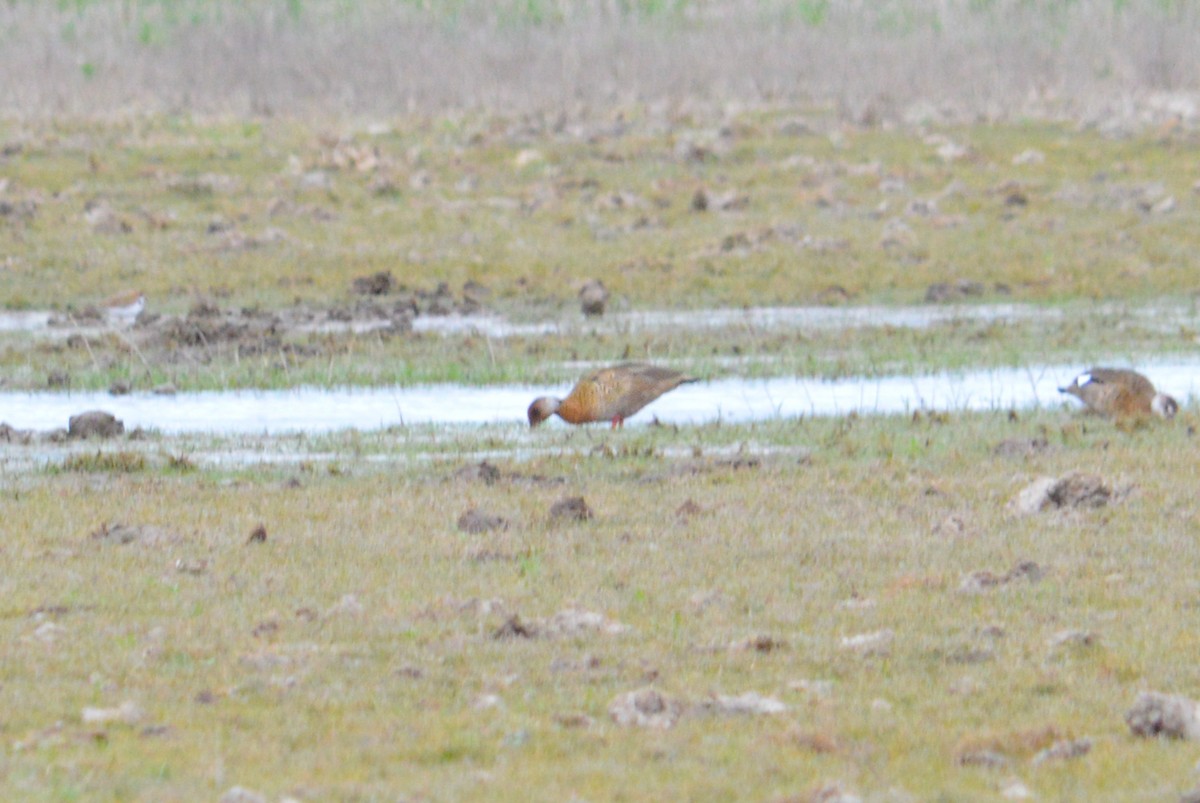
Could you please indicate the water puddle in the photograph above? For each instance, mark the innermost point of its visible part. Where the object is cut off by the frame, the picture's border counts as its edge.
(312, 411)
(1164, 318)
(799, 318)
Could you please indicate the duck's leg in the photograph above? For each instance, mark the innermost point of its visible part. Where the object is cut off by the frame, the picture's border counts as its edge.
(618, 422)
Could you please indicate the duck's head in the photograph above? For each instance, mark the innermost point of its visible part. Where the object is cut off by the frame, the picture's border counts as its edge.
(1077, 384)
(542, 408)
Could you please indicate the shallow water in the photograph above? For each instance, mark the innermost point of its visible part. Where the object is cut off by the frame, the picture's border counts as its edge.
(802, 318)
(924, 316)
(311, 410)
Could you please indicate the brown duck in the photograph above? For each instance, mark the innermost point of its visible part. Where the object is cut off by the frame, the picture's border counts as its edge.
(1120, 393)
(610, 394)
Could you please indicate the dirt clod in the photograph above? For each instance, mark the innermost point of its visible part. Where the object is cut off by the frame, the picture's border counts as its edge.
(571, 508)
(375, 284)
(1170, 715)
(94, 424)
(477, 521)
(1020, 447)
(258, 535)
(759, 643)
(10, 434)
(1072, 491)
(593, 297)
(1080, 490)
(119, 533)
(687, 510)
(482, 471)
(127, 713)
(514, 628)
(749, 703)
(646, 708)
(978, 582)
(1063, 750)
(240, 794)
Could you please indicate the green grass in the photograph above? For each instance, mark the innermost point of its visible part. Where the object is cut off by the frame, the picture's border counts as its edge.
(255, 670)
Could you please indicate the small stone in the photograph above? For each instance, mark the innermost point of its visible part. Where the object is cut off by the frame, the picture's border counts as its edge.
(1156, 714)
(258, 535)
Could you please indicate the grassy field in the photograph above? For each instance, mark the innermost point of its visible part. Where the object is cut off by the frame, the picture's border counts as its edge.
(531, 213)
(331, 618)
(358, 653)
(279, 218)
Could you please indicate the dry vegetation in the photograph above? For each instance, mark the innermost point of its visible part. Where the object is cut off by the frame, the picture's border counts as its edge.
(796, 610)
(873, 60)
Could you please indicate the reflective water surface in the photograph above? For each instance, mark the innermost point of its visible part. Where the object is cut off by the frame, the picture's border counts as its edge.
(802, 318)
(311, 410)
